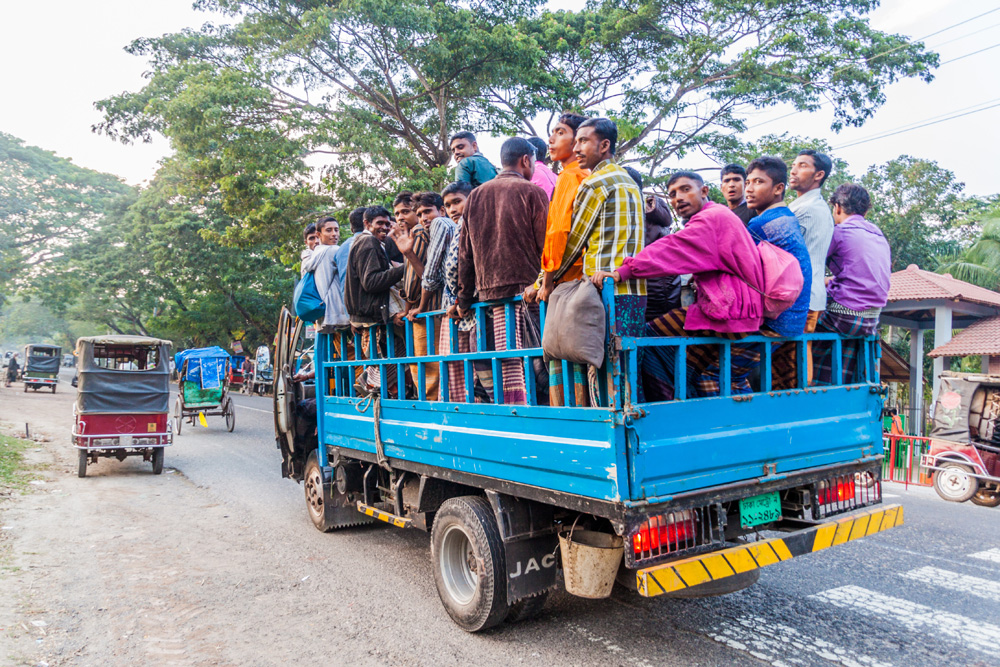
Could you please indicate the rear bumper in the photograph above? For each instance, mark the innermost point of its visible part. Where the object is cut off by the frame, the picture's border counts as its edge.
(690, 572)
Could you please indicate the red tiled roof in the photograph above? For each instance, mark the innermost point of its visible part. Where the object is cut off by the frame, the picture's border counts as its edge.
(983, 337)
(914, 283)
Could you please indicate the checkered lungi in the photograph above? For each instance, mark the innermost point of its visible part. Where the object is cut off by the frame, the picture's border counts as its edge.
(839, 319)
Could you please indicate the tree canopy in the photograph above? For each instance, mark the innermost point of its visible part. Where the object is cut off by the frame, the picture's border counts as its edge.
(372, 89)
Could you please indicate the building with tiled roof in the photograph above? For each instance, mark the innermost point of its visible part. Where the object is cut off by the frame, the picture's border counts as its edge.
(982, 338)
(922, 300)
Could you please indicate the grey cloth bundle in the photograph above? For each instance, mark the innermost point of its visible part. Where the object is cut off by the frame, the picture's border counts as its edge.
(575, 324)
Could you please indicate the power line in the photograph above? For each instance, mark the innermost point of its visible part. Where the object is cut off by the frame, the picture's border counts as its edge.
(916, 127)
(971, 54)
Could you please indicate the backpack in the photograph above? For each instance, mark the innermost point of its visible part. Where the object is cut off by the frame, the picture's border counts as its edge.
(309, 305)
(782, 279)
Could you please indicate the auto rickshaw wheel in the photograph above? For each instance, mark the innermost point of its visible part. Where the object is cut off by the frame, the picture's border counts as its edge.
(178, 415)
(986, 498)
(82, 468)
(53, 389)
(954, 482)
(157, 460)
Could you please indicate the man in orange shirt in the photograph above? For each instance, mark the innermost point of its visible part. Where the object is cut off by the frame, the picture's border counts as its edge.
(557, 227)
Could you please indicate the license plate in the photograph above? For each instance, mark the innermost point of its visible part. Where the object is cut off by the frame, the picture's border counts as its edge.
(760, 509)
(125, 441)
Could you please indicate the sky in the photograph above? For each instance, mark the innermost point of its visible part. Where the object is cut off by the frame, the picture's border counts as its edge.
(61, 56)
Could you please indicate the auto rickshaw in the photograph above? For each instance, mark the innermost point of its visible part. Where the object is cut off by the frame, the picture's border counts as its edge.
(236, 375)
(965, 440)
(123, 400)
(203, 386)
(263, 372)
(41, 366)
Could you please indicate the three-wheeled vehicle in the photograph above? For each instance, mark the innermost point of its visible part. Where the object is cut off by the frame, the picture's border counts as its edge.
(123, 401)
(41, 366)
(203, 388)
(262, 376)
(965, 439)
(236, 376)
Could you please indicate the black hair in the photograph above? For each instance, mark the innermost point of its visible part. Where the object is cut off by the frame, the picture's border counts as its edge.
(734, 169)
(604, 128)
(636, 176)
(357, 219)
(464, 134)
(821, 161)
(310, 229)
(541, 149)
(513, 150)
(428, 199)
(459, 187)
(774, 167)
(373, 212)
(852, 199)
(693, 175)
(325, 219)
(403, 198)
(572, 120)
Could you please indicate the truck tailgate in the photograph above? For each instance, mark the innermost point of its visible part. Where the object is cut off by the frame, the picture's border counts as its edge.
(688, 445)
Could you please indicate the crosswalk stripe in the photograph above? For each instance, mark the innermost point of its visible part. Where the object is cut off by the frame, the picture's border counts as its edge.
(992, 555)
(953, 581)
(982, 637)
(782, 645)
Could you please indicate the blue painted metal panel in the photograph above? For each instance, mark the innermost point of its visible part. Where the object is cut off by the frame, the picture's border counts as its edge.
(698, 443)
(582, 454)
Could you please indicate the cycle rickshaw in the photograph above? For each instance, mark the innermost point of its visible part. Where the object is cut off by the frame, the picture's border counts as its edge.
(204, 386)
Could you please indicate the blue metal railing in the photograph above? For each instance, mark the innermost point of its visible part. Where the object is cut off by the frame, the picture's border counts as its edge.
(612, 391)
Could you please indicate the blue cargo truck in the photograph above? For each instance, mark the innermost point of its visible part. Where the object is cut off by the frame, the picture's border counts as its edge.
(679, 498)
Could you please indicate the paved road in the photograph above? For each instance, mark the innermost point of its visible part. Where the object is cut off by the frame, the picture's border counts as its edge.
(924, 594)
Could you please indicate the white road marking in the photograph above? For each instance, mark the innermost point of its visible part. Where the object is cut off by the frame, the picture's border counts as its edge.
(614, 647)
(247, 407)
(953, 581)
(992, 555)
(918, 618)
(890, 495)
(783, 646)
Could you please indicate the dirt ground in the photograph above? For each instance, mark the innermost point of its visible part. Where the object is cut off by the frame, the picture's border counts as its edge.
(97, 571)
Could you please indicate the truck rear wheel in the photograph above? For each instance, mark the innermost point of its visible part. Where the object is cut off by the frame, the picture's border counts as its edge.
(954, 482)
(469, 564)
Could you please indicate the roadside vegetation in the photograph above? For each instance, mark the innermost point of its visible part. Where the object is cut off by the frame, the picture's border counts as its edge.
(13, 470)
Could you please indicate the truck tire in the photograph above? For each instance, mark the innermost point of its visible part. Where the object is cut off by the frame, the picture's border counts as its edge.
(527, 608)
(469, 565)
(954, 482)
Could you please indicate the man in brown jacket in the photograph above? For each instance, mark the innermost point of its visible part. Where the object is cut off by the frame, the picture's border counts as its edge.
(500, 250)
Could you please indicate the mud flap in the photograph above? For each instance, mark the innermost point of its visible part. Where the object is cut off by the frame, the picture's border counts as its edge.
(338, 509)
(530, 543)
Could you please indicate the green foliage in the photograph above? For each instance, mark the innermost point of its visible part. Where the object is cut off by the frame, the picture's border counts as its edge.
(23, 322)
(376, 87)
(980, 263)
(46, 203)
(787, 148)
(915, 202)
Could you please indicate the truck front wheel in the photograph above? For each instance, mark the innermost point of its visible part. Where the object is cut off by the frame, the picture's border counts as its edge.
(469, 566)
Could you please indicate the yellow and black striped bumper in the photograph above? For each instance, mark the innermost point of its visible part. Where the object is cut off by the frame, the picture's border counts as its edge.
(689, 572)
(374, 512)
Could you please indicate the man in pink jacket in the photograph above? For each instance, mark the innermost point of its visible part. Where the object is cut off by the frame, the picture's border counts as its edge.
(716, 248)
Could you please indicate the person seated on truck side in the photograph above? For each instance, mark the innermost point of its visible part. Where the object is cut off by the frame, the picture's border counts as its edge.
(765, 192)
(716, 248)
(861, 263)
(500, 250)
(370, 277)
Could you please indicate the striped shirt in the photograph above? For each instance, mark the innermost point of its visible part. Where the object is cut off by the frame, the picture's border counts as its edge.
(608, 225)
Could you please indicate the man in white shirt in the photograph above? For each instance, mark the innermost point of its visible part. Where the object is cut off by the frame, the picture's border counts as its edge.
(809, 171)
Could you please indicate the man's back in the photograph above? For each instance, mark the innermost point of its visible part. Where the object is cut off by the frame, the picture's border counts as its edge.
(501, 241)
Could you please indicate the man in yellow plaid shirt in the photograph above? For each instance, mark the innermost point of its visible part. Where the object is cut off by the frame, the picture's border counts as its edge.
(608, 222)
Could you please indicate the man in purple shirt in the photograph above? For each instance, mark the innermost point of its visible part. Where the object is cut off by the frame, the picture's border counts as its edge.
(861, 263)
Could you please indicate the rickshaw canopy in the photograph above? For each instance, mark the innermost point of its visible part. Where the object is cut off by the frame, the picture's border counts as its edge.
(122, 374)
(206, 366)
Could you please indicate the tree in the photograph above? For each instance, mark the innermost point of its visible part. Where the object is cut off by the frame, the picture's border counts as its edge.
(46, 203)
(787, 148)
(980, 263)
(376, 86)
(915, 202)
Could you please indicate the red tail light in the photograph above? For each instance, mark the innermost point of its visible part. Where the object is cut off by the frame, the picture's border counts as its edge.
(837, 490)
(666, 533)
